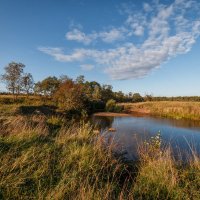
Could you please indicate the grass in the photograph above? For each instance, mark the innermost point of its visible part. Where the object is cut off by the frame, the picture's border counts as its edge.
(49, 157)
(60, 163)
(177, 110)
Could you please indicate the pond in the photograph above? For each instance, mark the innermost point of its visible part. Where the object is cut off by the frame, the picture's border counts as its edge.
(182, 135)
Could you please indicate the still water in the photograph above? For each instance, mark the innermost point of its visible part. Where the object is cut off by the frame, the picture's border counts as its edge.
(181, 135)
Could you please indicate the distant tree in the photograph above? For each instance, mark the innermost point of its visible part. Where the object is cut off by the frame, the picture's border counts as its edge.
(119, 96)
(148, 97)
(64, 78)
(80, 79)
(92, 90)
(130, 94)
(27, 83)
(107, 93)
(137, 97)
(47, 86)
(12, 77)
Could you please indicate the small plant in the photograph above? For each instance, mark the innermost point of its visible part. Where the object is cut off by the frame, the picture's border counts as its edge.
(152, 148)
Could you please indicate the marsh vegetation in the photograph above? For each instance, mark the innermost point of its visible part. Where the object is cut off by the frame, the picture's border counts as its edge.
(48, 150)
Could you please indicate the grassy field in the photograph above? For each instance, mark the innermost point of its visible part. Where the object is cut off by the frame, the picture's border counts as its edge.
(46, 156)
(178, 110)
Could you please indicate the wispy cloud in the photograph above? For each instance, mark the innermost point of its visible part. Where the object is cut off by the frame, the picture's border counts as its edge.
(87, 67)
(166, 30)
(109, 36)
(79, 36)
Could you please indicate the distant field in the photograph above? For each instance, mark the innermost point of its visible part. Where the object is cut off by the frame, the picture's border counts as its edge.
(173, 109)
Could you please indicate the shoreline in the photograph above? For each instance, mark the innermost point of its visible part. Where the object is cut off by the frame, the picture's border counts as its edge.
(112, 114)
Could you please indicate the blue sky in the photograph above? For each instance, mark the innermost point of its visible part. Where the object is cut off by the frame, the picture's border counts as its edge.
(139, 46)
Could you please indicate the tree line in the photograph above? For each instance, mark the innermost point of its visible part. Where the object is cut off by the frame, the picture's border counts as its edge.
(71, 94)
(64, 91)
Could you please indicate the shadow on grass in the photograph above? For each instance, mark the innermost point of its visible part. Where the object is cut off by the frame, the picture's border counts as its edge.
(21, 145)
(44, 109)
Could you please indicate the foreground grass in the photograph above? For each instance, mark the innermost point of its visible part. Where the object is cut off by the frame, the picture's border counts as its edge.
(42, 159)
(178, 110)
(49, 158)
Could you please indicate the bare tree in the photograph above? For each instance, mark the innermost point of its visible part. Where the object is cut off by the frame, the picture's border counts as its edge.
(12, 77)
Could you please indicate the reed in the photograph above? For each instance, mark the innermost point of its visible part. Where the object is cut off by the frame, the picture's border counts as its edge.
(50, 158)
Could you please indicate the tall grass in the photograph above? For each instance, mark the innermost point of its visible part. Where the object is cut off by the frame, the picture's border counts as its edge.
(50, 158)
(178, 110)
(67, 162)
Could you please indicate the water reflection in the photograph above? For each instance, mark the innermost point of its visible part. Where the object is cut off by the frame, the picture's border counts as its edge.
(182, 135)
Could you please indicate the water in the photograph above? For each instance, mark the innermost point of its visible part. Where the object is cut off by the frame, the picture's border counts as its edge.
(182, 135)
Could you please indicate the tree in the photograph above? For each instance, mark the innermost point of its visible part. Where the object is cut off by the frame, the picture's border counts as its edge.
(107, 93)
(47, 86)
(148, 97)
(80, 79)
(27, 83)
(12, 77)
(70, 96)
(64, 78)
(96, 94)
(137, 97)
(119, 96)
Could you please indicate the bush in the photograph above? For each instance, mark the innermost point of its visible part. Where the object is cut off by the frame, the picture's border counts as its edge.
(110, 105)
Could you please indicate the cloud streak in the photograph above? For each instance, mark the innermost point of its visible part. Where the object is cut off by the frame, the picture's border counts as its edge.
(109, 36)
(168, 29)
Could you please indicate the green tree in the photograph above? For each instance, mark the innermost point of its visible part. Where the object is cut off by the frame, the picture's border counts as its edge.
(107, 93)
(27, 83)
(12, 77)
(80, 79)
(119, 96)
(137, 98)
(47, 86)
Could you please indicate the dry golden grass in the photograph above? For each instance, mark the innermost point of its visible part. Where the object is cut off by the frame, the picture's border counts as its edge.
(174, 109)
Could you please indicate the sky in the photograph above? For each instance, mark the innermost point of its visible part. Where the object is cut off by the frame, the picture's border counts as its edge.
(150, 47)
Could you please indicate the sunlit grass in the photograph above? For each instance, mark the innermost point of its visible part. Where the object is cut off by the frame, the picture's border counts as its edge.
(47, 157)
(177, 110)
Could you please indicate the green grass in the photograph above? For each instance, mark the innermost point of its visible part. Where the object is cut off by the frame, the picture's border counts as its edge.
(65, 163)
(48, 157)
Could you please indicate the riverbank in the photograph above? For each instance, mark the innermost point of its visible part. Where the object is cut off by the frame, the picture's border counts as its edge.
(45, 157)
(111, 114)
(171, 109)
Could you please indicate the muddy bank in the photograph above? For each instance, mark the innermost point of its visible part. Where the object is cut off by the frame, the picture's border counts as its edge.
(112, 114)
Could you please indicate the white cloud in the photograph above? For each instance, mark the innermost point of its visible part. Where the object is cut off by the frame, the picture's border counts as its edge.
(108, 36)
(87, 67)
(79, 36)
(112, 35)
(58, 54)
(169, 31)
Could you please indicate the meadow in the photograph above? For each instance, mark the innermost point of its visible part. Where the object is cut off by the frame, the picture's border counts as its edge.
(47, 156)
(172, 109)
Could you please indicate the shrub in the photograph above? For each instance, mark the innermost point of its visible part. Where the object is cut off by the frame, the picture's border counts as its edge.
(110, 105)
